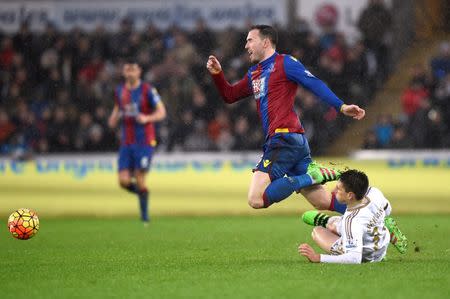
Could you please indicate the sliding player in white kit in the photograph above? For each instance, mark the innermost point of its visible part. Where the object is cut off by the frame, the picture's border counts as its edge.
(358, 236)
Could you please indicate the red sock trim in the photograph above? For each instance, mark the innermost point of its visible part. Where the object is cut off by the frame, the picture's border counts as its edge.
(144, 190)
(266, 200)
(333, 198)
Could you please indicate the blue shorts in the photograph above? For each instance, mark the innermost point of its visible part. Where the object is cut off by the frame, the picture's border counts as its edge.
(285, 154)
(135, 157)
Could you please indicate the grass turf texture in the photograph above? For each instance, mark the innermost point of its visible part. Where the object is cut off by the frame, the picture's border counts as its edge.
(212, 257)
(78, 256)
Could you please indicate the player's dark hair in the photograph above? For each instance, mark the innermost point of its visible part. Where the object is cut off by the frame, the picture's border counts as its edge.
(267, 31)
(131, 60)
(355, 181)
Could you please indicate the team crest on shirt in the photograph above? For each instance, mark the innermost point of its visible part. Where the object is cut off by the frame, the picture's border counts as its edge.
(259, 87)
(350, 243)
(131, 110)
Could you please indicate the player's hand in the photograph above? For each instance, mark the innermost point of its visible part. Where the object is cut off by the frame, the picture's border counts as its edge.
(309, 253)
(213, 65)
(142, 119)
(354, 111)
(112, 122)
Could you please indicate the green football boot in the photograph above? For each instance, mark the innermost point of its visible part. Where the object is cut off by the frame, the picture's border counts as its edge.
(321, 174)
(315, 218)
(398, 239)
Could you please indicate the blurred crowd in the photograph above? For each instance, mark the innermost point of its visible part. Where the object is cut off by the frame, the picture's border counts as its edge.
(425, 118)
(56, 88)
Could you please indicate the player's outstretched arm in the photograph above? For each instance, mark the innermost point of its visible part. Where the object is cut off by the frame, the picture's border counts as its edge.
(353, 111)
(296, 72)
(230, 93)
(114, 117)
(307, 251)
(213, 65)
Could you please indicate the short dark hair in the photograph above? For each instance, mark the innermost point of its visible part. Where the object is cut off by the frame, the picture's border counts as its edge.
(267, 31)
(131, 60)
(355, 181)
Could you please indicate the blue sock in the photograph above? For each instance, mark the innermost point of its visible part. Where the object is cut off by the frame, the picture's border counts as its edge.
(335, 205)
(132, 188)
(283, 187)
(143, 204)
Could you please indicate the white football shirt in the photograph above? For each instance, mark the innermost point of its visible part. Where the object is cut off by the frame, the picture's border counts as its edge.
(364, 238)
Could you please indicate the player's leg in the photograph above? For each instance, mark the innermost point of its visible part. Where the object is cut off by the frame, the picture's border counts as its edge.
(324, 238)
(318, 196)
(322, 199)
(142, 159)
(282, 153)
(259, 183)
(126, 169)
(143, 194)
(397, 237)
(321, 174)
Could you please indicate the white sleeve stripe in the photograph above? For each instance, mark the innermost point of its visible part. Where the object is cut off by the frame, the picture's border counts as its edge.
(348, 224)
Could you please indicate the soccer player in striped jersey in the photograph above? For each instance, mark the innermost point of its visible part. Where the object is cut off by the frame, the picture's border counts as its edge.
(358, 236)
(286, 165)
(138, 106)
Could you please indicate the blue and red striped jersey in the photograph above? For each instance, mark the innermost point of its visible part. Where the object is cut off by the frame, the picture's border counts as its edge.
(142, 99)
(273, 83)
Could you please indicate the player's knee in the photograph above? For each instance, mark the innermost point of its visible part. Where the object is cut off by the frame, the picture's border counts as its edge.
(331, 226)
(255, 202)
(320, 205)
(315, 233)
(124, 182)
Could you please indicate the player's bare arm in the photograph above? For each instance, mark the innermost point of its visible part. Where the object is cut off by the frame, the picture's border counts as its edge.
(307, 251)
(158, 115)
(114, 117)
(213, 65)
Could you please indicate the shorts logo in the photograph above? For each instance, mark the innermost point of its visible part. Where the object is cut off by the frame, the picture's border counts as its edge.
(144, 162)
(266, 163)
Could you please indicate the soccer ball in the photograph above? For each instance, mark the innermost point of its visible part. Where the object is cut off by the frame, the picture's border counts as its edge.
(23, 224)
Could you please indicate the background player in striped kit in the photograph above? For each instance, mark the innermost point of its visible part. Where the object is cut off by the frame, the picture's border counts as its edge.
(139, 106)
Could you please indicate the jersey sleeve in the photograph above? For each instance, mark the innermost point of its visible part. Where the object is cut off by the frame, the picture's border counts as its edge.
(153, 97)
(232, 93)
(346, 258)
(296, 72)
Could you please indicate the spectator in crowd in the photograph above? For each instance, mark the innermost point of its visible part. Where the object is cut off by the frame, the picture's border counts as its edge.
(399, 139)
(370, 141)
(384, 130)
(440, 65)
(413, 96)
(375, 23)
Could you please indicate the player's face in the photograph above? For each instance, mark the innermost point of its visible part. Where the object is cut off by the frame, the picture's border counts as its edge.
(131, 72)
(256, 46)
(341, 195)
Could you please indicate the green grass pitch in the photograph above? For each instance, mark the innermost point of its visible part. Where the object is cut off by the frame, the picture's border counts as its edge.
(212, 257)
(205, 242)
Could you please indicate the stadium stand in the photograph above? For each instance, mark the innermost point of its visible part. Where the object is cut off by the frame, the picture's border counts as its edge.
(56, 88)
